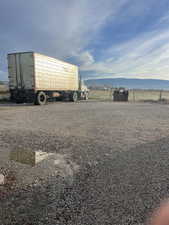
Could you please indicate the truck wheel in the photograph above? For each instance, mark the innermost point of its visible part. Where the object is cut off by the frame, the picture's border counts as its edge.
(19, 101)
(74, 97)
(86, 96)
(41, 98)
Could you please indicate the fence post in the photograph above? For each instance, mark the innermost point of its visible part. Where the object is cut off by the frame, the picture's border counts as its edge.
(133, 96)
(110, 95)
(160, 98)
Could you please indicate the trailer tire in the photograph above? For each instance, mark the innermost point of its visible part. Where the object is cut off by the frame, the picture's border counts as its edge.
(86, 97)
(74, 97)
(19, 101)
(41, 98)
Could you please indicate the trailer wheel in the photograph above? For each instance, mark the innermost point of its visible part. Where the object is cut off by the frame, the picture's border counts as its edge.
(74, 97)
(41, 98)
(86, 96)
(19, 101)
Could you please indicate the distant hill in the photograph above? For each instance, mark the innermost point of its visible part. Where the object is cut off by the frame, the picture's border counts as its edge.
(129, 83)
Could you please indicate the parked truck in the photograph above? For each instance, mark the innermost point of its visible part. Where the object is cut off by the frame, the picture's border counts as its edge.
(35, 78)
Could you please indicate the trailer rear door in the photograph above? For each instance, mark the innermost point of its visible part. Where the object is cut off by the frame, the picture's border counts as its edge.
(21, 70)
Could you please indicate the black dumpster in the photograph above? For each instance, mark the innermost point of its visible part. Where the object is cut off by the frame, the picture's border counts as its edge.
(120, 95)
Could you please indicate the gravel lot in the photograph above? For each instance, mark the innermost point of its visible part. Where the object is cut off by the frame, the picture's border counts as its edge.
(115, 154)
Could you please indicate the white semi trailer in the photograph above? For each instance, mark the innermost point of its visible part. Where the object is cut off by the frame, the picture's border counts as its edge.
(35, 78)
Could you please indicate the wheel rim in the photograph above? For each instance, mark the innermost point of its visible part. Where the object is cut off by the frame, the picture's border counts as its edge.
(42, 98)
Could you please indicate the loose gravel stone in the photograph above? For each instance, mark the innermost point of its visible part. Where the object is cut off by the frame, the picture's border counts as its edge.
(114, 162)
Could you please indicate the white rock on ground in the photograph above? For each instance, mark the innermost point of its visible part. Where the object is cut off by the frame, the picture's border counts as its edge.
(2, 179)
(51, 165)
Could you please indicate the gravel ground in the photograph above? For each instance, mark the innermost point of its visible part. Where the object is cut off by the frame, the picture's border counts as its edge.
(120, 150)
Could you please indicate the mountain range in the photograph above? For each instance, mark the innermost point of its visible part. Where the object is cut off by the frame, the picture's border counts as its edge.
(129, 83)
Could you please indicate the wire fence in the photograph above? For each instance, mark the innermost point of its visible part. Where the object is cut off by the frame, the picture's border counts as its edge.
(107, 95)
(134, 95)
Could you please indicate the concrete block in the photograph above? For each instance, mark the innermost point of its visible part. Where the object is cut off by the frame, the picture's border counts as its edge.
(28, 157)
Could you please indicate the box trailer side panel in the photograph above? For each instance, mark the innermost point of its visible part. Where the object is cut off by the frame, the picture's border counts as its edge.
(37, 78)
(21, 71)
(52, 74)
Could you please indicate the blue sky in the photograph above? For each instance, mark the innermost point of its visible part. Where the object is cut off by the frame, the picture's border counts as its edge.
(106, 38)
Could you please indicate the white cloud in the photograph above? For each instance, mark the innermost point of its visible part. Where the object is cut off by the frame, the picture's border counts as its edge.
(3, 76)
(164, 19)
(84, 59)
(56, 28)
(67, 29)
(146, 56)
(69, 26)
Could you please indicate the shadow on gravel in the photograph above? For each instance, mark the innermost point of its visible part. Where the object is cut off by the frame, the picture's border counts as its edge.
(9, 104)
(118, 188)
